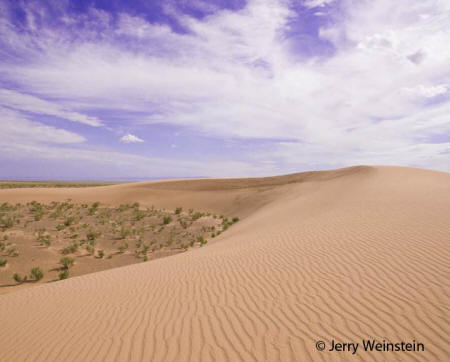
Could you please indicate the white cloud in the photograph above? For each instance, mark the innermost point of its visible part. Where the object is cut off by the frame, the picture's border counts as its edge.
(17, 129)
(427, 92)
(130, 138)
(28, 103)
(317, 3)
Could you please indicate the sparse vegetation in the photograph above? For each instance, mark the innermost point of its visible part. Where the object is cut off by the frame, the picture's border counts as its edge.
(67, 227)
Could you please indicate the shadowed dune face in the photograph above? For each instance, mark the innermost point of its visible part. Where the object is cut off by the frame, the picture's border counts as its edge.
(341, 255)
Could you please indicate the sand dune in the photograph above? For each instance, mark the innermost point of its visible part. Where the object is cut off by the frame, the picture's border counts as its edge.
(355, 253)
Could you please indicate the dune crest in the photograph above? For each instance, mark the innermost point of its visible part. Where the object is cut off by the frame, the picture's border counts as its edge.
(345, 255)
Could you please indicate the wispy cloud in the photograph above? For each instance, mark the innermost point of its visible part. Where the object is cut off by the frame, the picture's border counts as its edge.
(29, 103)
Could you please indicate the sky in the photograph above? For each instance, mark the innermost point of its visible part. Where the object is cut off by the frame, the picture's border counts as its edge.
(120, 89)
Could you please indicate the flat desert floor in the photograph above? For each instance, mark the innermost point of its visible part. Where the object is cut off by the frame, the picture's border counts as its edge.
(344, 255)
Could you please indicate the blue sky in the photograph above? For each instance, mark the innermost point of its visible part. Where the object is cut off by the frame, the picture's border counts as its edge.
(146, 89)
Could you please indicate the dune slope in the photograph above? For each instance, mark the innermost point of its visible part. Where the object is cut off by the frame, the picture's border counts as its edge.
(348, 254)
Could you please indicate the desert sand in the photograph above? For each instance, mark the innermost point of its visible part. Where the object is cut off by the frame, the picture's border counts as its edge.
(362, 252)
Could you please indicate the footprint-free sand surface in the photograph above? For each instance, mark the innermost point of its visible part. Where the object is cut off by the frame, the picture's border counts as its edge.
(345, 255)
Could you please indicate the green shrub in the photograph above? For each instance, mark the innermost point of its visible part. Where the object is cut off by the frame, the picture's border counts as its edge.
(6, 223)
(6, 207)
(100, 254)
(124, 233)
(3, 262)
(70, 220)
(201, 240)
(36, 274)
(123, 247)
(12, 252)
(19, 279)
(178, 210)
(94, 208)
(90, 249)
(44, 240)
(92, 235)
(66, 262)
(139, 214)
(70, 249)
(197, 216)
(167, 219)
(64, 274)
(235, 219)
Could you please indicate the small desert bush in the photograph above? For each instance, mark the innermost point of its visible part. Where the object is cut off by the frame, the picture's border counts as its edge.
(100, 254)
(36, 274)
(3, 262)
(167, 219)
(123, 247)
(6, 207)
(6, 223)
(124, 233)
(201, 240)
(44, 240)
(70, 220)
(19, 279)
(70, 249)
(178, 210)
(139, 215)
(12, 252)
(64, 274)
(60, 227)
(90, 249)
(66, 262)
(92, 235)
(197, 216)
(94, 208)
